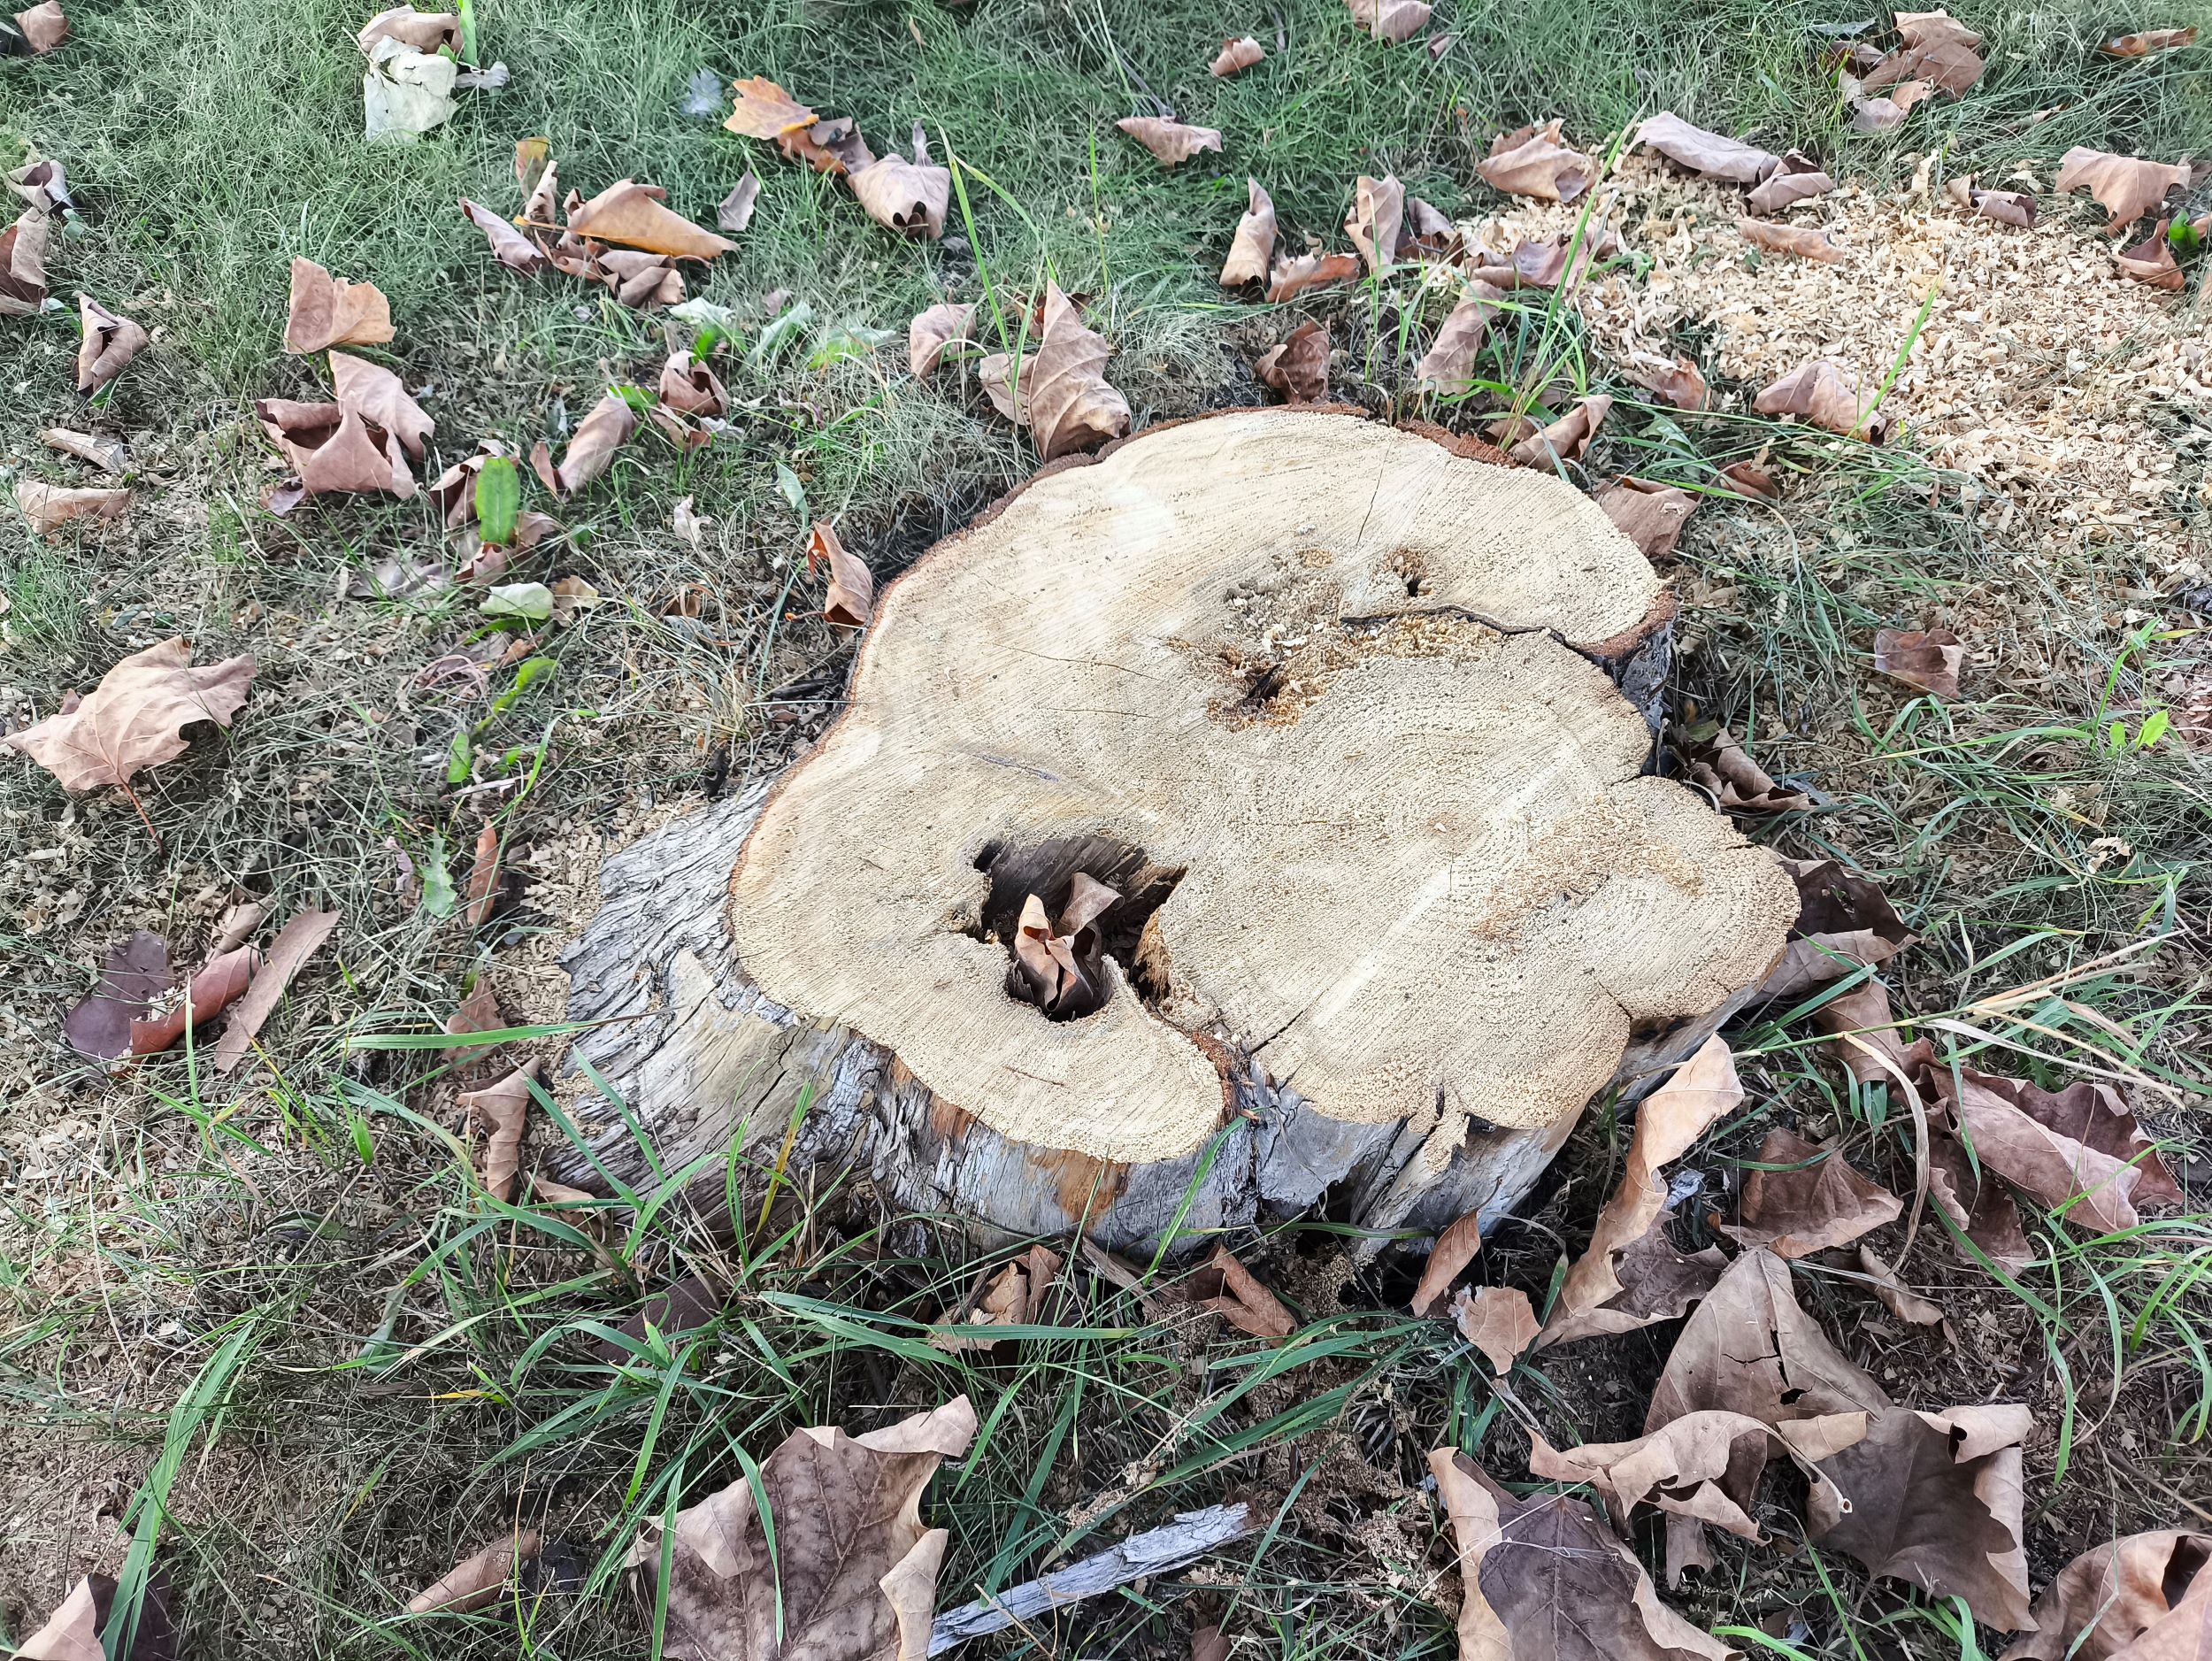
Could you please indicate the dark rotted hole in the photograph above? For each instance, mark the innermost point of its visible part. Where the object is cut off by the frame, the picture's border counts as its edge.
(1047, 869)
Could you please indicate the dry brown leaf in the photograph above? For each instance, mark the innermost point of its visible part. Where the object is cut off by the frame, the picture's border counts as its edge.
(1293, 277)
(1650, 515)
(43, 27)
(690, 387)
(1395, 21)
(479, 1013)
(1238, 55)
(1934, 1499)
(1604, 1291)
(853, 1574)
(1749, 1349)
(852, 599)
(1543, 264)
(1170, 141)
(135, 975)
(107, 342)
(1498, 1321)
(1299, 368)
(635, 216)
(1867, 1044)
(761, 109)
(2006, 207)
(1060, 964)
(1929, 660)
(221, 983)
(2152, 261)
(605, 429)
(1708, 155)
(328, 311)
(379, 397)
(300, 938)
(1566, 438)
(1534, 161)
(478, 1579)
(2080, 1147)
(1843, 921)
(1937, 49)
(907, 196)
(1797, 178)
(1450, 1253)
(1829, 396)
(1815, 1202)
(1015, 1297)
(734, 212)
(23, 263)
(1544, 1581)
(1448, 365)
(1230, 1290)
(1801, 240)
(483, 879)
(134, 718)
(1679, 383)
(1726, 767)
(932, 330)
(1753, 480)
(500, 1112)
(1898, 1298)
(107, 454)
(1208, 1644)
(1376, 221)
(425, 31)
(2141, 45)
(2147, 1597)
(1253, 245)
(1882, 114)
(1069, 405)
(833, 146)
(1979, 1204)
(48, 507)
(1703, 1466)
(2127, 186)
(509, 246)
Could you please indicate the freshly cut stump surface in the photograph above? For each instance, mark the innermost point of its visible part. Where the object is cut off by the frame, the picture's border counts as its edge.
(1329, 705)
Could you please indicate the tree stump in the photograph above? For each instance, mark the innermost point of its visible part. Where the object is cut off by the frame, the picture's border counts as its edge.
(1354, 726)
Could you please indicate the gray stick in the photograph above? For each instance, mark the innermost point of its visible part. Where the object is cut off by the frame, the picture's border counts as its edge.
(1158, 1551)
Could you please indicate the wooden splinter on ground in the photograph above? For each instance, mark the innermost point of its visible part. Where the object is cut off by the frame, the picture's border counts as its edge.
(1354, 726)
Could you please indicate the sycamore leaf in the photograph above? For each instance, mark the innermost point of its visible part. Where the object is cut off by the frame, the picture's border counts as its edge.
(1806, 1199)
(1069, 405)
(735, 211)
(2127, 186)
(2006, 207)
(1929, 660)
(1934, 1499)
(907, 196)
(2152, 261)
(1898, 1298)
(48, 507)
(424, 31)
(2080, 1147)
(1723, 767)
(932, 330)
(1254, 245)
(1059, 962)
(1708, 155)
(761, 109)
(1749, 1349)
(135, 975)
(1566, 438)
(1650, 515)
(634, 215)
(510, 246)
(603, 430)
(294, 944)
(479, 1012)
(1293, 277)
(1797, 178)
(852, 599)
(478, 1579)
(851, 1574)
(501, 1112)
(1829, 396)
(43, 27)
(1299, 368)
(1395, 21)
(1450, 1253)
(1843, 921)
(1498, 1321)
(481, 889)
(134, 718)
(1015, 1297)
(1533, 161)
(73, 1632)
(1170, 141)
(1545, 1580)
(328, 311)
(405, 93)
(109, 343)
(218, 984)
(109, 455)
(1232, 1292)
(1448, 365)
(2145, 1597)
(1242, 54)
(379, 396)
(23, 263)
(1378, 219)
(1609, 1289)
(1801, 240)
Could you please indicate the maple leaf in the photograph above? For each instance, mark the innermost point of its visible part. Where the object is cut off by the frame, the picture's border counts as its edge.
(134, 718)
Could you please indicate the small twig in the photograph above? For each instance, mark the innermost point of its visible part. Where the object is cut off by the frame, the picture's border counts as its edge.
(1156, 1551)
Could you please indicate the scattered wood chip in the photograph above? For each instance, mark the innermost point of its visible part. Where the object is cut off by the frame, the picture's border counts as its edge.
(1498, 1321)
(1613, 1286)
(1450, 1253)
(301, 937)
(478, 1579)
(1170, 141)
(1930, 659)
(1935, 1499)
(1535, 162)
(1253, 245)
(1236, 55)
(1650, 515)
(134, 718)
(1814, 1199)
(1708, 155)
(851, 598)
(852, 1571)
(1298, 366)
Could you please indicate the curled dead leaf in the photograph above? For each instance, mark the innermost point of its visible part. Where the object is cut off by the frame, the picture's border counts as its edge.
(1293, 277)
(1612, 1287)
(931, 332)
(2127, 186)
(1298, 366)
(907, 196)
(500, 1112)
(1376, 221)
(734, 212)
(424, 31)
(1930, 659)
(48, 507)
(23, 263)
(761, 109)
(852, 599)
(1650, 515)
(1898, 1298)
(1015, 1297)
(1448, 365)
(635, 216)
(1828, 396)
(1253, 245)
(300, 938)
(327, 311)
(2144, 43)
(1498, 1321)
(1844, 921)
(1801, 240)
(605, 429)
(1232, 1292)
(1752, 481)
(2145, 1597)
(1708, 155)
(1566, 438)
(1452, 1251)
(2006, 207)
(133, 975)
(1534, 161)
(219, 983)
(109, 455)
(1237, 55)
(509, 245)
(1797, 178)
(1069, 405)
(477, 1580)
(1725, 767)
(136, 718)
(107, 342)
(1679, 383)
(2079, 1149)
(1804, 1198)
(2152, 261)
(1170, 141)
(1395, 21)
